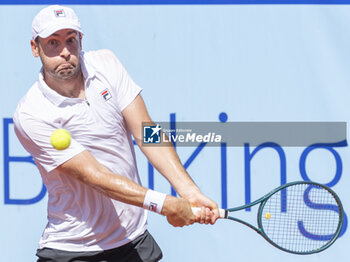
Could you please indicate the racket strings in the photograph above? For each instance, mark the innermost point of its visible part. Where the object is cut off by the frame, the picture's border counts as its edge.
(304, 218)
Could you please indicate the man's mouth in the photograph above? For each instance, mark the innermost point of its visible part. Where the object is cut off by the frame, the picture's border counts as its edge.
(65, 66)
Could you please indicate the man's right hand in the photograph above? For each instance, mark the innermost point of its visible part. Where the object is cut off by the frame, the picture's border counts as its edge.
(178, 211)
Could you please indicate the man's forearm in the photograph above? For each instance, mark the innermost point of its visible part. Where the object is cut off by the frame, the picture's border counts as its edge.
(165, 159)
(87, 169)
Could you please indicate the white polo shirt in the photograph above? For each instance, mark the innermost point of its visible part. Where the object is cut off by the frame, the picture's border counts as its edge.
(79, 217)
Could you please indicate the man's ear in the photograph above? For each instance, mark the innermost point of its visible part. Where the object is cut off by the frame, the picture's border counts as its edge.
(35, 48)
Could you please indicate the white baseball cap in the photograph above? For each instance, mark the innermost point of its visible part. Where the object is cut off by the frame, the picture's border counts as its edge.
(54, 18)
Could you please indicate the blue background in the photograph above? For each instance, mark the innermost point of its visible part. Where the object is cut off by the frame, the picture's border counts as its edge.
(253, 62)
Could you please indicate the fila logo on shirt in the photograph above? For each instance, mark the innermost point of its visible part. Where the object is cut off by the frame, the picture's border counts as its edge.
(59, 13)
(106, 94)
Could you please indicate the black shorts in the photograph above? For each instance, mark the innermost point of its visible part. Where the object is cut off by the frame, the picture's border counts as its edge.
(142, 249)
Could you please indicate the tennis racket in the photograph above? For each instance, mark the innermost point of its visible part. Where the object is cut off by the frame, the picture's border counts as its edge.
(298, 217)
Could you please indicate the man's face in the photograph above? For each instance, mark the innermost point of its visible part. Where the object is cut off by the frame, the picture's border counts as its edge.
(59, 53)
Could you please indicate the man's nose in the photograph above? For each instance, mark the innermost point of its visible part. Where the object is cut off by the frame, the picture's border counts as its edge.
(65, 53)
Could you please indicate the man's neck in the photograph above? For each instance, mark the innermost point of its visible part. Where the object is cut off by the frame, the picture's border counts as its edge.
(71, 87)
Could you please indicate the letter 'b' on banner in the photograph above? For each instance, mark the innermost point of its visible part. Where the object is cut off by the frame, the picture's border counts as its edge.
(7, 160)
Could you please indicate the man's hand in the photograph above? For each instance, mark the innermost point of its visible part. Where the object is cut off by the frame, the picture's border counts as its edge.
(178, 211)
(209, 209)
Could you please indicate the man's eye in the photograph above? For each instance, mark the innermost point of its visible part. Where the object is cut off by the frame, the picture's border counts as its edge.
(71, 40)
(52, 42)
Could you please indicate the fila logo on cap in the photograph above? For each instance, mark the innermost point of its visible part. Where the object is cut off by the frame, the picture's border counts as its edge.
(106, 94)
(59, 13)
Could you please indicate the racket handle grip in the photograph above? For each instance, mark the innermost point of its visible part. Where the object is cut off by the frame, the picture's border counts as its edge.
(223, 213)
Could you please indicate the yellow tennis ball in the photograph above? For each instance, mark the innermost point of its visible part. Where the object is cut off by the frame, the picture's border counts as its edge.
(60, 139)
(267, 215)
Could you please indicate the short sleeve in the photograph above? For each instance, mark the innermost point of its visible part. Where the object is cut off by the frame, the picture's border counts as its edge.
(126, 88)
(34, 134)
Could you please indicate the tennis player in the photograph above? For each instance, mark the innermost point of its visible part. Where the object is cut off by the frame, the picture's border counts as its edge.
(97, 208)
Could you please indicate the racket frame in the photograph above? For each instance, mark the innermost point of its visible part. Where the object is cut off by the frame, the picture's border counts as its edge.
(263, 201)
